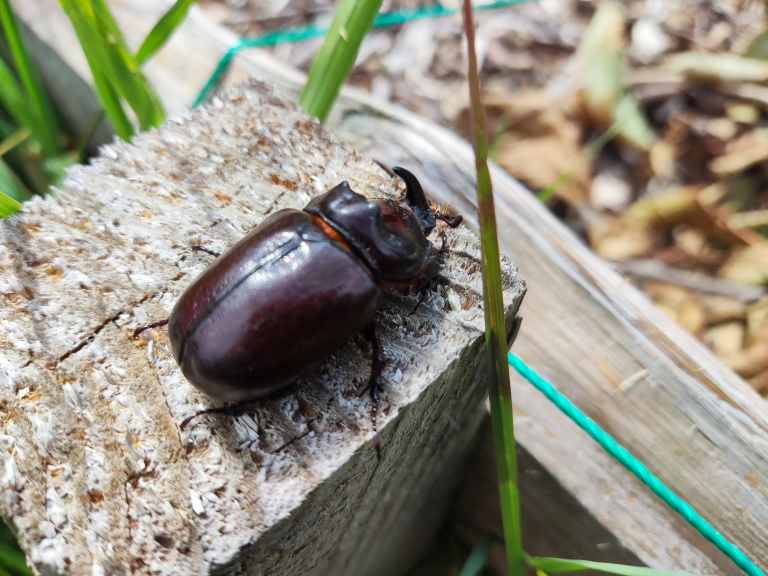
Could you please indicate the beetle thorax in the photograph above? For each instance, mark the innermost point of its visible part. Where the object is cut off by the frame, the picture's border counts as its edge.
(387, 237)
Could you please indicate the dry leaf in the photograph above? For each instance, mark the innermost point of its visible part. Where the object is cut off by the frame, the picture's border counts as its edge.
(746, 151)
(748, 265)
(616, 239)
(718, 68)
(719, 309)
(679, 303)
(726, 338)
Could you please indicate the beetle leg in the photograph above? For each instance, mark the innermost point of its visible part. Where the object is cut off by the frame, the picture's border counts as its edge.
(233, 410)
(444, 239)
(198, 248)
(374, 382)
(157, 324)
(452, 221)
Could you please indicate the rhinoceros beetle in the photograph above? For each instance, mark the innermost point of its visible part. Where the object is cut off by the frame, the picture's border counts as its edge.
(296, 288)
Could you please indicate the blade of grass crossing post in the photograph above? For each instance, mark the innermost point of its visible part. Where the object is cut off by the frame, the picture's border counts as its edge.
(334, 61)
(45, 124)
(499, 390)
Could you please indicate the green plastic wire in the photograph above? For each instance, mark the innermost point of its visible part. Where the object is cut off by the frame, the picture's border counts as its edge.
(311, 31)
(635, 466)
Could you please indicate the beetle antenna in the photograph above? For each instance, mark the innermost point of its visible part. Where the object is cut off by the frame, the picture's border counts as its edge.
(416, 199)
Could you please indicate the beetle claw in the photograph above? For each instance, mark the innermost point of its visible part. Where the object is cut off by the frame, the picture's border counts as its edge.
(199, 248)
(157, 324)
(233, 410)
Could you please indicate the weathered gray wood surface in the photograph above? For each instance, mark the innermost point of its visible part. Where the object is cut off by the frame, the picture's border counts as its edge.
(660, 392)
(98, 477)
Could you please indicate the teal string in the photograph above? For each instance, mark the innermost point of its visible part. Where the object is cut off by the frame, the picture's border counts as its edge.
(636, 467)
(303, 32)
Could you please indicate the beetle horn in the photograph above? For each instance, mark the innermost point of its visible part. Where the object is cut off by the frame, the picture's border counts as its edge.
(416, 199)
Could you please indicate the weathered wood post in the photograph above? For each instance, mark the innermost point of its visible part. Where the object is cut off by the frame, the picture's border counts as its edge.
(95, 474)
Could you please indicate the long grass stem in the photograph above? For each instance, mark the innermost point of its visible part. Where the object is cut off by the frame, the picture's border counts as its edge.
(499, 390)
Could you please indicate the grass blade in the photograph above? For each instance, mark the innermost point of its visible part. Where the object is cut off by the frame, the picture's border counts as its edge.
(562, 565)
(163, 29)
(499, 390)
(477, 557)
(12, 559)
(109, 58)
(11, 185)
(7, 204)
(131, 82)
(332, 65)
(12, 97)
(587, 154)
(13, 140)
(112, 106)
(45, 125)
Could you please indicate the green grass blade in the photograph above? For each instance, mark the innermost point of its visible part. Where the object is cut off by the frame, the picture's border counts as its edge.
(499, 390)
(12, 97)
(84, 22)
(10, 183)
(588, 153)
(85, 138)
(14, 140)
(108, 57)
(477, 557)
(8, 205)
(11, 556)
(332, 65)
(131, 81)
(112, 106)
(45, 126)
(562, 565)
(163, 29)
(12, 562)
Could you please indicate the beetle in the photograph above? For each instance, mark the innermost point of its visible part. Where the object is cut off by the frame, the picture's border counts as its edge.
(296, 288)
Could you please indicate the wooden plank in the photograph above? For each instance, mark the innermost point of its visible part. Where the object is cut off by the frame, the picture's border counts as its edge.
(99, 477)
(652, 385)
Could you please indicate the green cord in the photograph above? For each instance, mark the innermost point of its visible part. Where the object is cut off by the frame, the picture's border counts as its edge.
(635, 466)
(303, 32)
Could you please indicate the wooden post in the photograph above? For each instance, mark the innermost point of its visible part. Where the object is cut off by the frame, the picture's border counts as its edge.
(97, 476)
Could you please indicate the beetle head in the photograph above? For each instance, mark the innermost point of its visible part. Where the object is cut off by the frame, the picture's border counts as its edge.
(416, 200)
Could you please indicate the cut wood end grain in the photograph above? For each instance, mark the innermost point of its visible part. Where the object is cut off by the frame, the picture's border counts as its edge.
(95, 474)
